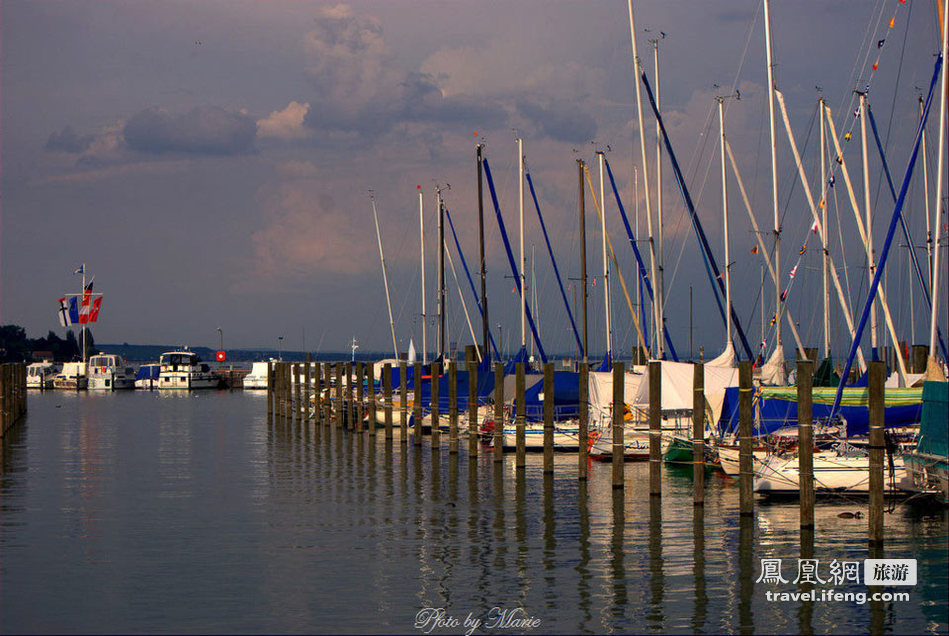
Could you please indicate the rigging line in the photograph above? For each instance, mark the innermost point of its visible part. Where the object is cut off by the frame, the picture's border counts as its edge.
(793, 173)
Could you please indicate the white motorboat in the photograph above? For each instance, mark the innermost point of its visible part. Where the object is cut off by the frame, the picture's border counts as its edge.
(183, 370)
(110, 372)
(72, 377)
(147, 376)
(257, 378)
(39, 375)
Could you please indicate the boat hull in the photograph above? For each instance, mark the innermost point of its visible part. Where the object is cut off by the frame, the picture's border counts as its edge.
(832, 475)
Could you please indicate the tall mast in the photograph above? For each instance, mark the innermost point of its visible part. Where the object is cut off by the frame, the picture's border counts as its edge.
(606, 264)
(774, 177)
(937, 206)
(658, 300)
(441, 273)
(929, 232)
(82, 325)
(825, 254)
(868, 220)
(660, 261)
(533, 289)
(421, 243)
(523, 262)
(385, 278)
(484, 294)
(583, 255)
(728, 286)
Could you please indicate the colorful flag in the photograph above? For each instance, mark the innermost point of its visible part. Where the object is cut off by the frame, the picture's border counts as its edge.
(880, 43)
(64, 313)
(814, 229)
(774, 319)
(85, 307)
(784, 295)
(794, 271)
(73, 309)
(831, 181)
(754, 250)
(803, 249)
(221, 356)
(874, 66)
(94, 312)
(892, 21)
(81, 269)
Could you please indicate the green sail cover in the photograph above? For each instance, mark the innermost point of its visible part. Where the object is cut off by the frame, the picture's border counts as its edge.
(934, 428)
(825, 374)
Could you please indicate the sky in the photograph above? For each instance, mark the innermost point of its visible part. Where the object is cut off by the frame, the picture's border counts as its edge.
(211, 163)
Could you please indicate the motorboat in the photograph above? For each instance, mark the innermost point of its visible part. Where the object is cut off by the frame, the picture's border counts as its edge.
(257, 378)
(147, 376)
(39, 375)
(110, 372)
(72, 377)
(183, 370)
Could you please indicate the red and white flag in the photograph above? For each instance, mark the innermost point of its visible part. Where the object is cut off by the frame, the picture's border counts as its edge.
(94, 312)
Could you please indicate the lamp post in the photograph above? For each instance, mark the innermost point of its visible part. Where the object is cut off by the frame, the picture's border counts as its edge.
(221, 334)
(279, 340)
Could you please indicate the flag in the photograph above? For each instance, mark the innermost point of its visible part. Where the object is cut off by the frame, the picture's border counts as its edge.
(86, 306)
(814, 228)
(803, 249)
(831, 181)
(892, 21)
(874, 66)
(880, 43)
(94, 312)
(774, 319)
(784, 295)
(754, 250)
(793, 271)
(81, 269)
(64, 313)
(221, 356)
(73, 309)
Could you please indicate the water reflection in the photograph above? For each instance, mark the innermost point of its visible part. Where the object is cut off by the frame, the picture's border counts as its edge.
(656, 583)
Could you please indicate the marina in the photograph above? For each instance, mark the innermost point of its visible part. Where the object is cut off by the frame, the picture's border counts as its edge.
(159, 512)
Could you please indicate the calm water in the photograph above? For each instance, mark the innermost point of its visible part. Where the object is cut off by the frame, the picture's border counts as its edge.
(149, 512)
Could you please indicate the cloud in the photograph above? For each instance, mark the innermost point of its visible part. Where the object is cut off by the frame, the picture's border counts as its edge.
(66, 140)
(202, 130)
(285, 124)
(562, 122)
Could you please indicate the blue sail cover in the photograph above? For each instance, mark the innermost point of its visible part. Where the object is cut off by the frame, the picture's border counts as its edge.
(566, 397)
(485, 386)
(780, 412)
(148, 372)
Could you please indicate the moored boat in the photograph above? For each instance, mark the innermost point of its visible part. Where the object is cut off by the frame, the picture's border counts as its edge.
(72, 377)
(257, 378)
(110, 372)
(928, 464)
(39, 375)
(183, 370)
(147, 376)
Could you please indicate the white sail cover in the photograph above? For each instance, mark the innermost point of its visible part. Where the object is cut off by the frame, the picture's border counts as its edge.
(677, 386)
(601, 391)
(773, 371)
(726, 359)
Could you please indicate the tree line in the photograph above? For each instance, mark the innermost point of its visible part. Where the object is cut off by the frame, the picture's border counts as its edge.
(15, 346)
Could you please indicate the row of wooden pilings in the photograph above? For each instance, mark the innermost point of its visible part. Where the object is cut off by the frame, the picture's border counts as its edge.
(12, 395)
(289, 397)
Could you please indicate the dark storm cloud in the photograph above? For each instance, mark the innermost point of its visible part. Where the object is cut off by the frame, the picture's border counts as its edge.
(202, 130)
(66, 140)
(564, 123)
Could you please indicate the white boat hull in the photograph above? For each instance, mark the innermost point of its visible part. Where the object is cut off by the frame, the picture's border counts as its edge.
(832, 474)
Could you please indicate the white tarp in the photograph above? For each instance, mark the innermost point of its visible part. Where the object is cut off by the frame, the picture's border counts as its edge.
(601, 391)
(677, 386)
(773, 371)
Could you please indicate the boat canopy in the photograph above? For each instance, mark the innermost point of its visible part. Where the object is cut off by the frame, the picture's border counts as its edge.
(933, 432)
(148, 372)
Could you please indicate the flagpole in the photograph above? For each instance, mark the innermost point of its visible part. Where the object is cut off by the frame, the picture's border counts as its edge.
(81, 324)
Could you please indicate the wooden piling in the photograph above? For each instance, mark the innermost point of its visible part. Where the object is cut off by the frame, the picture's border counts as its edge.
(876, 379)
(498, 412)
(13, 404)
(270, 390)
(435, 372)
(745, 461)
(297, 392)
(350, 398)
(472, 410)
(339, 395)
(655, 429)
(698, 434)
(520, 416)
(452, 408)
(805, 441)
(404, 405)
(328, 399)
(371, 398)
(387, 399)
(360, 396)
(548, 419)
(583, 399)
(317, 394)
(417, 369)
(307, 404)
(619, 434)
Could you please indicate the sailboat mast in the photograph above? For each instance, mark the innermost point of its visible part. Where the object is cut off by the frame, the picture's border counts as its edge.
(660, 261)
(421, 243)
(937, 206)
(774, 175)
(728, 286)
(825, 255)
(929, 231)
(583, 255)
(82, 325)
(385, 277)
(606, 264)
(658, 300)
(874, 355)
(523, 262)
(441, 274)
(485, 335)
